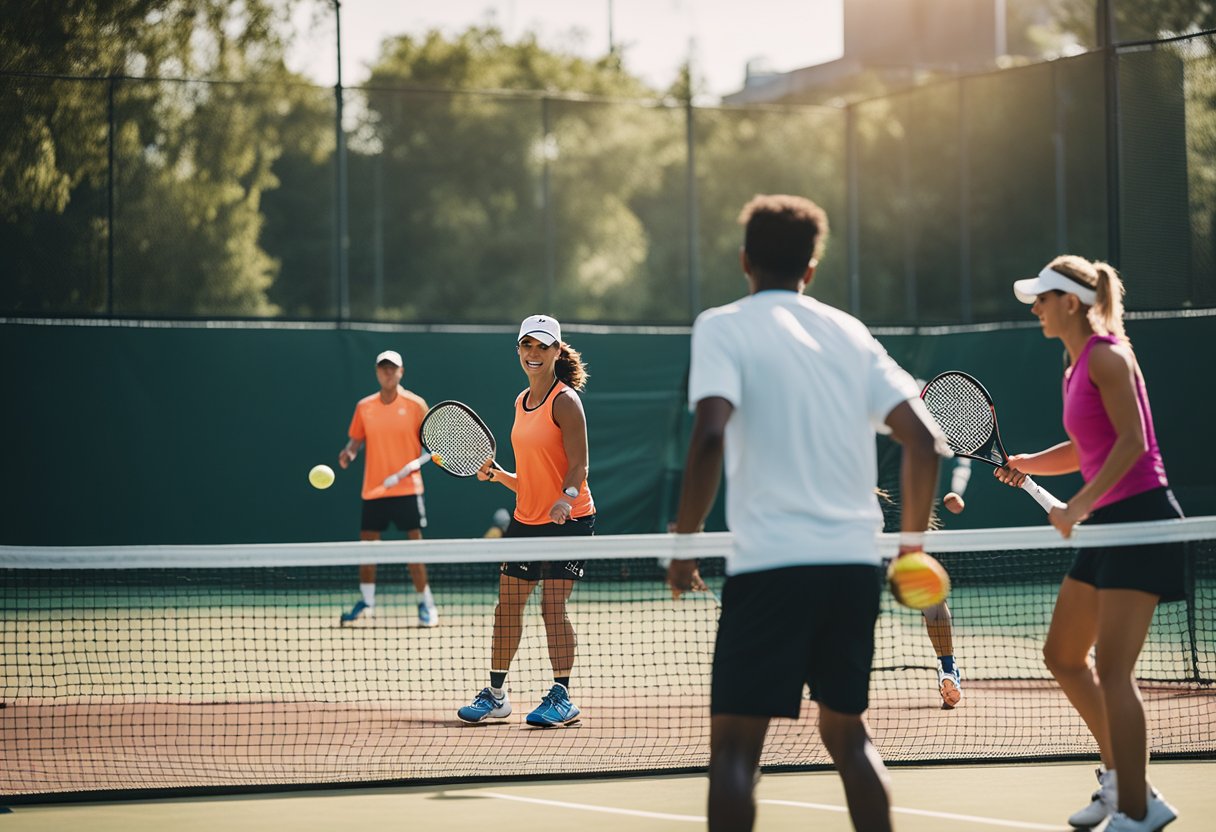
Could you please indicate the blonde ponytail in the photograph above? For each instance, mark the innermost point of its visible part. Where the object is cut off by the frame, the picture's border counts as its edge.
(1106, 315)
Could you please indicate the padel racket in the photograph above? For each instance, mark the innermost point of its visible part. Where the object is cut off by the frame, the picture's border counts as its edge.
(966, 414)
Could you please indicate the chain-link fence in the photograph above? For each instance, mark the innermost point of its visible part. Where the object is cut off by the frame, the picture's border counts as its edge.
(133, 197)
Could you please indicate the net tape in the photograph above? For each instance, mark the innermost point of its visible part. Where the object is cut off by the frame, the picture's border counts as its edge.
(705, 545)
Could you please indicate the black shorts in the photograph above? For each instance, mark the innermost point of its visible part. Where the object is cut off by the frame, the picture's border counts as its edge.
(1159, 568)
(407, 513)
(536, 570)
(803, 625)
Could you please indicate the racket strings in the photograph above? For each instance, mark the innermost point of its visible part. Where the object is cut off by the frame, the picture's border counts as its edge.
(962, 411)
(461, 442)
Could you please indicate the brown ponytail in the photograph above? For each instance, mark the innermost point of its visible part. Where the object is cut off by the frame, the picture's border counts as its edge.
(570, 368)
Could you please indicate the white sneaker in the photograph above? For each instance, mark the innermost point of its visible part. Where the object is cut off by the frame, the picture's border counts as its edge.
(428, 615)
(1103, 802)
(950, 686)
(1158, 815)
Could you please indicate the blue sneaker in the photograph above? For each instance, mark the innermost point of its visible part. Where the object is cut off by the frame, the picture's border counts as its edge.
(484, 706)
(360, 610)
(554, 710)
(428, 615)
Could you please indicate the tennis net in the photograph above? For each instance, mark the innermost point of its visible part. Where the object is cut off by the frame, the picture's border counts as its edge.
(156, 669)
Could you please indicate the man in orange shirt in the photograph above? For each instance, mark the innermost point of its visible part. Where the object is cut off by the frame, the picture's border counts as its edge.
(387, 422)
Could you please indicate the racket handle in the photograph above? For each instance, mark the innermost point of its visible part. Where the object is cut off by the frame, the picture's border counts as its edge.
(415, 465)
(392, 480)
(410, 467)
(1041, 495)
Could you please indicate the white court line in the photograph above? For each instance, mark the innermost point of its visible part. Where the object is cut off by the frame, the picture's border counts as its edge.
(637, 813)
(1012, 824)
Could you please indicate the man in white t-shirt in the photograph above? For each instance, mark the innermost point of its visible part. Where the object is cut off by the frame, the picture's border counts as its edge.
(792, 391)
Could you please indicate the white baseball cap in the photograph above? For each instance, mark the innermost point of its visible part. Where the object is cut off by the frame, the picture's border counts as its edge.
(390, 355)
(541, 327)
(1028, 290)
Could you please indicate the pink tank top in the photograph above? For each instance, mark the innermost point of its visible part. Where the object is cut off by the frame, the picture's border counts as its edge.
(1093, 435)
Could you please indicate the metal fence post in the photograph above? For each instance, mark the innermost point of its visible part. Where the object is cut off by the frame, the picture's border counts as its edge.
(1106, 42)
(110, 141)
(964, 206)
(852, 208)
(694, 244)
(546, 186)
(341, 230)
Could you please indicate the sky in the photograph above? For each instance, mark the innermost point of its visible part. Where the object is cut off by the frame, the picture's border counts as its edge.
(656, 36)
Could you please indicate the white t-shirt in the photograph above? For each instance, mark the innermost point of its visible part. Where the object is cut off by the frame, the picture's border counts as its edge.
(810, 387)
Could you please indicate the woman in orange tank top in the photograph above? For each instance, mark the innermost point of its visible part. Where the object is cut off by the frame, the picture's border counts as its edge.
(549, 439)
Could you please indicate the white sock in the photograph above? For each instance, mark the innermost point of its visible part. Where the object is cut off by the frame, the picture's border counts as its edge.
(369, 594)
(426, 597)
(499, 693)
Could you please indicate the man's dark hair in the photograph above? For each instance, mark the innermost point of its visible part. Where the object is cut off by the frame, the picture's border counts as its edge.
(783, 234)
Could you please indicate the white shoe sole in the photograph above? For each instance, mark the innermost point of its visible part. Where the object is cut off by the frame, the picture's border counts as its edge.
(951, 695)
(485, 718)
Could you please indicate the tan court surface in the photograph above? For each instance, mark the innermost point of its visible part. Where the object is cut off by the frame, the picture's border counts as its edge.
(955, 798)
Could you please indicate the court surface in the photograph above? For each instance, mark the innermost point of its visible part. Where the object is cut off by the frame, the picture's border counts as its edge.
(927, 799)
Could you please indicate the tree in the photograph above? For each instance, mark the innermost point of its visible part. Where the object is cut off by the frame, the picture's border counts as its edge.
(489, 196)
(191, 159)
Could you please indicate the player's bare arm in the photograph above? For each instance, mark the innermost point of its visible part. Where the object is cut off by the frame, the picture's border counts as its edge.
(702, 476)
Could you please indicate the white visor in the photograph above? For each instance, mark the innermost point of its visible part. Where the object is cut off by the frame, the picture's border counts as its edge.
(542, 328)
(1028, 290)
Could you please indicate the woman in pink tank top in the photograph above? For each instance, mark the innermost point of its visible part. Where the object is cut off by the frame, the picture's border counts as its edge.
(1108, 598)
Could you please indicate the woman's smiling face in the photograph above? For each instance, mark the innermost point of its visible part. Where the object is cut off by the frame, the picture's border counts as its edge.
(537, 359)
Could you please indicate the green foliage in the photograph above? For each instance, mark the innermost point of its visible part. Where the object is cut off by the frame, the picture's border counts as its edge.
(191, 160)
(469, 179)
(1134, 20)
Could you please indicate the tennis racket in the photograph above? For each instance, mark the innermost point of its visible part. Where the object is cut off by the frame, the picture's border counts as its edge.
(454, 438)
(966, 414)
(457, 439)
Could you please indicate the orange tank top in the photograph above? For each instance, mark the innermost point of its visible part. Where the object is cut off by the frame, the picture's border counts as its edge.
(541, 462)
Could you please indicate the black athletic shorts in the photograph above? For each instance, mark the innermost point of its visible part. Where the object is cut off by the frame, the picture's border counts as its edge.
(535, 570)
(1159, 568)
(803, 625)
(406, 513)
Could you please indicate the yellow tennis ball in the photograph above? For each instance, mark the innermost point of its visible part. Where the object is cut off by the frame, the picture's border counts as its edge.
(918, 581)
(321, 476)
(437, 459)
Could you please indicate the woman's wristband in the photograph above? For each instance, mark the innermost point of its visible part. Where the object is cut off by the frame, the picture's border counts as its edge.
(911, 540)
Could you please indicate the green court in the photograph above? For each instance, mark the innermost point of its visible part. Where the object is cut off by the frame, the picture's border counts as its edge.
(929, 799)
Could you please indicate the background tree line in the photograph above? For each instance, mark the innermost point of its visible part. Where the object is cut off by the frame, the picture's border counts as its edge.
(566, 188)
